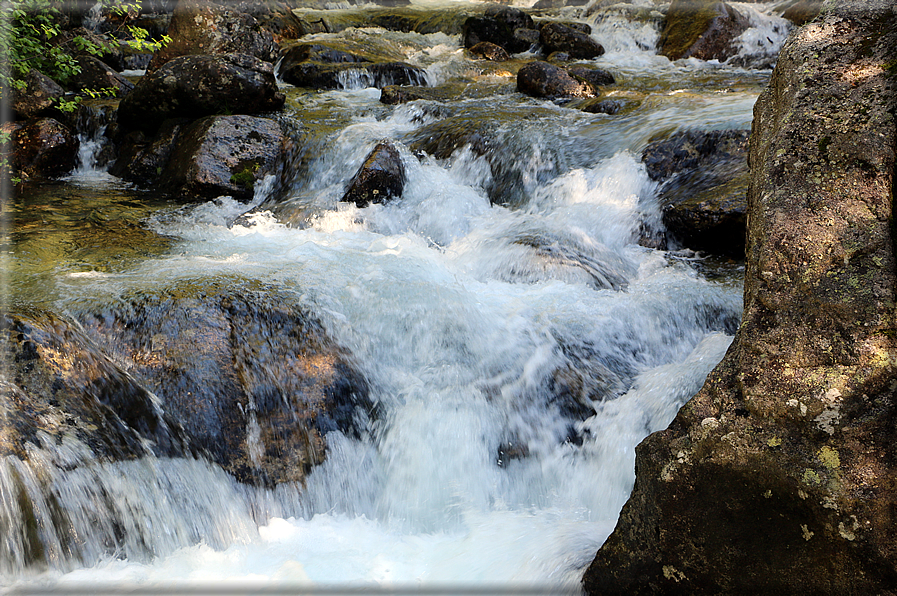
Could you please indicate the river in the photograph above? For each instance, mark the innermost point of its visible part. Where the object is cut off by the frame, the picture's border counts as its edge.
(454, 309)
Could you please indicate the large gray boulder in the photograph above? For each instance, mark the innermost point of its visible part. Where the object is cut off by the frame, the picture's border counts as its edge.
(780, 475)
(202, 85)
(223, 155)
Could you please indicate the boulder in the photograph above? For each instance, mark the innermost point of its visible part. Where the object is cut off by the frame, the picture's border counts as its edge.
(541, 79)
(499, 25)
(489, 51)
(557, 37)
(803, 11)
(595, 77)
(779, 476)
(43, 149)
(59, 386)
(142, 158)
(254, 380)
(703, 191)
(396, 94)
(111, 53)
(205, 27)
(701, 29)
(379, 179)
(38, 97)
(223, 155)
(196, 86)
(99, 76)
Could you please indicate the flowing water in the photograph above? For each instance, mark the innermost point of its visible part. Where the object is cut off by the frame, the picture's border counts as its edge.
(456, 311)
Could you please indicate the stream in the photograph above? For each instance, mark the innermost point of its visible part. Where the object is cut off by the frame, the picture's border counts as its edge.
(455, 310)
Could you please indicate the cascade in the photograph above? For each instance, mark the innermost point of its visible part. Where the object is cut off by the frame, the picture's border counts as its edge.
(515, 339)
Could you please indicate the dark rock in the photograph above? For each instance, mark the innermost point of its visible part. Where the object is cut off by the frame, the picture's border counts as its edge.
(396, 94)
(593, 76)
(498, 25)
(556, 37)
(559, 57)
(379, 179)
(490, 51)
(317, 75)
(541, 79)
(703, 194)
(142, 159)
(44, 148)
(779, 476)
(98, 76)
(196, 86)
(315, 52)
(38, 97)
(254, 380)
(59, 386)
(701, 29)
(223, 155)
(600, 106)
(543, 4)
(203, 27)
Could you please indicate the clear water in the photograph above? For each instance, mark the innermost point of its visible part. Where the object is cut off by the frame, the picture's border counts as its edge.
(456, 311)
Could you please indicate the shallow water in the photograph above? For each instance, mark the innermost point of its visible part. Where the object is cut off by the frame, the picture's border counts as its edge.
(456, 309)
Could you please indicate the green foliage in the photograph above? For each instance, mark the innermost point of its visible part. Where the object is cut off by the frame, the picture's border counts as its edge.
(29, 31)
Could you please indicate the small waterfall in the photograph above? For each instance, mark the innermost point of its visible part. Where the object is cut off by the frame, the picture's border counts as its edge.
(95, 151)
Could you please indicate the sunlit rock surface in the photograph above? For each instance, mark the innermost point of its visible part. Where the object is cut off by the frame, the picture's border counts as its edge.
(779, 475)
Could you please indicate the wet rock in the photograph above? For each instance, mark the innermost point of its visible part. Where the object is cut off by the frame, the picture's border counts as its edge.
(254, 380)
(597, 105)
(316, 52)
(557, 37)
(396, 94)
(203, 27)
(379, 179)
(595, 77)
(59, 387)
(142, 158)
(196, 86)
(499, 25)
(779, 476)
(43, 149)
(38, 97)
(701, 29)
(223, 155)
(490, 51)
(541, 79)
(703, 194)
(98, 76)
(317, 75)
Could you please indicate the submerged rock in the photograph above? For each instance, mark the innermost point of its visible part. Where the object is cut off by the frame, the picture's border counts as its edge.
(380, 178)
(779, 476)
(703, 192)
(254, 380)
(223, 155)
(196, 86)
(701, 29)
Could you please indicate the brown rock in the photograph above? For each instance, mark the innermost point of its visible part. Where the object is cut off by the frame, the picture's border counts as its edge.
(541, 79)
(204, 27)
(38, 97)
(490, 51)
(557, 37)
(701, 29)
(45, 149)
(99, 76)
(780, 475)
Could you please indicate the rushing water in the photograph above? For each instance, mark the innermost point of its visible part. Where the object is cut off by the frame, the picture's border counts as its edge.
(455, 311)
